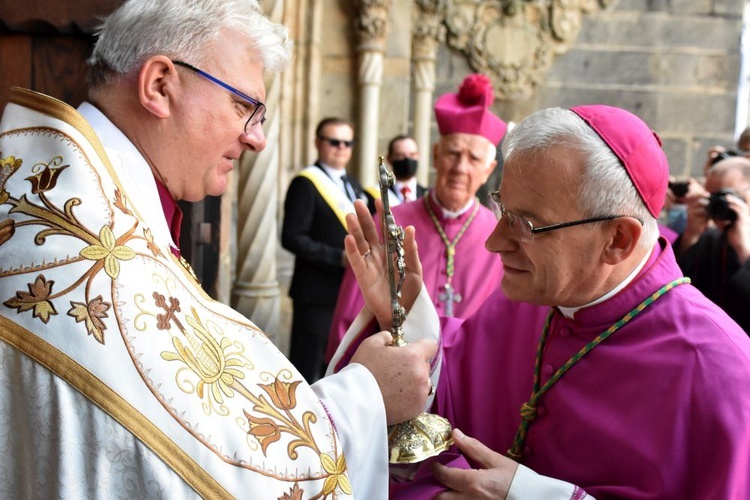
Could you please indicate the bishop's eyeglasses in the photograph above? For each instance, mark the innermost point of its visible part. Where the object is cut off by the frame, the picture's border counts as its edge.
(524, 230)
(256, 108)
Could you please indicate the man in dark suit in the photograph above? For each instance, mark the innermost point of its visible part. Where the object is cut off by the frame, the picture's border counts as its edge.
(403, 155)
(316, 204)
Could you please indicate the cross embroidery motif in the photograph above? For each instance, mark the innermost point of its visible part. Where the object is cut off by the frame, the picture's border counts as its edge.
(163, 320)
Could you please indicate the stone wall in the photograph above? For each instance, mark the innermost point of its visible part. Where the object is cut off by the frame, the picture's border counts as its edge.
(675, 64)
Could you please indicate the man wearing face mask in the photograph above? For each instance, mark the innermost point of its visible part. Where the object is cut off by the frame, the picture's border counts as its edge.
(403, 155)
(451, 224)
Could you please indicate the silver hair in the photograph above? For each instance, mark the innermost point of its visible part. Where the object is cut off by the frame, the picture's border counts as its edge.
(605, 188)
(182, 29)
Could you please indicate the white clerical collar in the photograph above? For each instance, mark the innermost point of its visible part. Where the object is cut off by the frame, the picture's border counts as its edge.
(131, 167)
(450, 214)
(334, 173)
(568, 312)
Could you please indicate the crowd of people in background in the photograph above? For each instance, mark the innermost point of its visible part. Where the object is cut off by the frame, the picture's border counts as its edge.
(706, 219)
(709, 220)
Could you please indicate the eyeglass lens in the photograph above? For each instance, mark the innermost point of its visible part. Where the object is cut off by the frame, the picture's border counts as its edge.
(520, 227)
(257, 116)
(256, 108)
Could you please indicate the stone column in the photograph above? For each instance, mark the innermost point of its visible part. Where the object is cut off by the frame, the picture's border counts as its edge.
(427, 33)
(256, 291)
(371, 29)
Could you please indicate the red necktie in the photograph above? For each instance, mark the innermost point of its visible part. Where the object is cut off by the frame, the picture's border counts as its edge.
(406, 193)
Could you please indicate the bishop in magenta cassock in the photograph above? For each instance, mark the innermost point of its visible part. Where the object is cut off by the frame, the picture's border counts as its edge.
(451, 225)
(632, 384)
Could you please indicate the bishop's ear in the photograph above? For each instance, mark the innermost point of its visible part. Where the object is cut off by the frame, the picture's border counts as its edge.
(625, 233)
(158, 81)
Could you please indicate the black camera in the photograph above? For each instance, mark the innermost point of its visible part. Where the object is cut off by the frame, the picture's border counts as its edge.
(718, 207)
(679, 189)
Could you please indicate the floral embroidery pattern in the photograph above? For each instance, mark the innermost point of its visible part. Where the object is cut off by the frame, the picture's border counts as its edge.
(294, 493)
(216, 366)
(337, 470)
(280, 408)
(212, 366)
(36, 299)
(8, 167)
(92, 314)
(46, 178)
(217, 370)
(105, 249)
(109, 252)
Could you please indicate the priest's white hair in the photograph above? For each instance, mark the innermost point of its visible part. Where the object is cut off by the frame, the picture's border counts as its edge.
(606, 188)
(182, 29)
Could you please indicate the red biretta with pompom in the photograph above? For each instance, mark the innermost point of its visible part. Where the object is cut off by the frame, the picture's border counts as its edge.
(467, 112)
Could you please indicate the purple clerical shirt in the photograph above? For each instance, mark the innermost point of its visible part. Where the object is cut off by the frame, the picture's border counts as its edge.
(477, 272)
(659, 410)
(172, 214)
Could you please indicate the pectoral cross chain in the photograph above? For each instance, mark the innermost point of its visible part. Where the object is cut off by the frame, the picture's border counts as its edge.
(449, 296)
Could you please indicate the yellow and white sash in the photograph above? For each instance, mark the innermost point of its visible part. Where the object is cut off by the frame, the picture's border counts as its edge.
(330, 191)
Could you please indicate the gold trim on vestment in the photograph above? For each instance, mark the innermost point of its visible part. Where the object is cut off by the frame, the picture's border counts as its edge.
(114, 405)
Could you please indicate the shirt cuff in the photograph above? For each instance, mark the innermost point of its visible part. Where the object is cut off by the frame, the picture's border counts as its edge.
(528, 484)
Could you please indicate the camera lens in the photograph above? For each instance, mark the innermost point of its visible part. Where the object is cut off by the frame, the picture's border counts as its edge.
(718, 207)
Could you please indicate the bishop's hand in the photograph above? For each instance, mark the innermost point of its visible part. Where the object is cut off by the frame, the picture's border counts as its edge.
(492, 480)
(367, 256)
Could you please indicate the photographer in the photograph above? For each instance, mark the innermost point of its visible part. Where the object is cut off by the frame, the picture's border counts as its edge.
(676, 208)
(714, 250)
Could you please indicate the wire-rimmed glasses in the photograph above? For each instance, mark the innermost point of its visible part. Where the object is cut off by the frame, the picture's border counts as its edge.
(524, 230)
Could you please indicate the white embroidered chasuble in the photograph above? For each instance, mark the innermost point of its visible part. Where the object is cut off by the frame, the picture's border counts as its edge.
(121, 377)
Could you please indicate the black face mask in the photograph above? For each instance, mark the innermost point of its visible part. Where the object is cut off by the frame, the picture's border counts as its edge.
(403, 169)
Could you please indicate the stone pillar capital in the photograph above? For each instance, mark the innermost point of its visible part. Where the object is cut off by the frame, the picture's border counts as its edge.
(372, 24)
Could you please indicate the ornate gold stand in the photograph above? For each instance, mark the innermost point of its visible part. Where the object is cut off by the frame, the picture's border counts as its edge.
(426, 435)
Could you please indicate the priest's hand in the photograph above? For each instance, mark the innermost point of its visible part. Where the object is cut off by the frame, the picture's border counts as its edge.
(491, 481)
(367, 255)
(402, 373)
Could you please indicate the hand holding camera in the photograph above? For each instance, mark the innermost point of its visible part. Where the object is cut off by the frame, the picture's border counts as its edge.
(718, 207)
(723, 203)
(730, 210)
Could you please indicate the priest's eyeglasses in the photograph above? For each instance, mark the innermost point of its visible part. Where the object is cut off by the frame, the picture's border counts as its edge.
(254, 107)
(524, 230)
